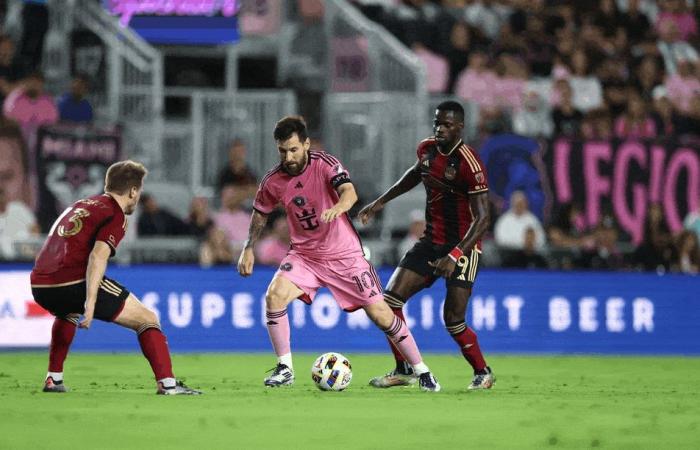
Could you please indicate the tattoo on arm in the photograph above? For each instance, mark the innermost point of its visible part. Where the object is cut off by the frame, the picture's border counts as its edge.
(258, 221)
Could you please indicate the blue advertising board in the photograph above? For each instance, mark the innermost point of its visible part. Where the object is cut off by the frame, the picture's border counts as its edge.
(512, 311)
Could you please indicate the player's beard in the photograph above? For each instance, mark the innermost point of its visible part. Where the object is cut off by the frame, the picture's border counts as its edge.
(296, 168)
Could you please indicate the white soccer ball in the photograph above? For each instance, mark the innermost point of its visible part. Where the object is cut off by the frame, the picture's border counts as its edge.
(331, 372)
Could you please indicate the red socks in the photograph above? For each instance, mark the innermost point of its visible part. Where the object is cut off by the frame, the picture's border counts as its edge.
(155, 349)
(468, 344)
(62, 334)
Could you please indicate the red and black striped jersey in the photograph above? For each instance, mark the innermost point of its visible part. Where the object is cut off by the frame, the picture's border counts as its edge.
(449, 178)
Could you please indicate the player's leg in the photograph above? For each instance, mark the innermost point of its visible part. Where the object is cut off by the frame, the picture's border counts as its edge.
(280, 293)
(154, 345)
(459, 289)
(65, 303)
(401, 337)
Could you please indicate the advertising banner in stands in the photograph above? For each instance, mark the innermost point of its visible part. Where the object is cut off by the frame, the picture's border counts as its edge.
(512, 311)
(71, 164)
(623, 178)
(186, 22)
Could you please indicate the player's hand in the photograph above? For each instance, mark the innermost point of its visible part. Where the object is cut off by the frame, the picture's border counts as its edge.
(245, 262)
(369, 211)
(331, 214)
(443, 266)
(87, 319)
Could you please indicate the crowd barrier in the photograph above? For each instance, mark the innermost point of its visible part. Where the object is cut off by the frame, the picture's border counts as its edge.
(512, 311)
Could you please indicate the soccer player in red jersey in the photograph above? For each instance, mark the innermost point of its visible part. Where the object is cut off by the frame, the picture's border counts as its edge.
(69, 279)
(457, 215)
(316, 191)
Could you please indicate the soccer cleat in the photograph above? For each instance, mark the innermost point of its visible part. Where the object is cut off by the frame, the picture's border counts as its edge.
(428, 382)
(483, 380)
(394, 378)
(281, 376)
(179, 389)
(54, 386)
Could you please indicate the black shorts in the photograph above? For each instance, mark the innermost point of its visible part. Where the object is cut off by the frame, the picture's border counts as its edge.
(418, 257)
(64, 300)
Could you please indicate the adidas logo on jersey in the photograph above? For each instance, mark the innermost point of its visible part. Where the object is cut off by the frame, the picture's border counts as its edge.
(298, 185)
(372, 294)
(461, 278)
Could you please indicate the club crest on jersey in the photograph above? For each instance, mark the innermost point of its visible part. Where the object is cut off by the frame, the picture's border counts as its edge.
(299, 201)
(479, 177)
(450, 173)
(287, 267)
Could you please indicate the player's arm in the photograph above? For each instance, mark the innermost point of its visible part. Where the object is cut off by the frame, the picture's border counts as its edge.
(348, 197)
(479, 205)
(408, 181)
(258, 220)
(96, 267)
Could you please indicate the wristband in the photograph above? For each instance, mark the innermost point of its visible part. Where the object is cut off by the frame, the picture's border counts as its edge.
(455, 254)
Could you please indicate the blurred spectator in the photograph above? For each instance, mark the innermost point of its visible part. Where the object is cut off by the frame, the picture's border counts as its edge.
(30, 106)
(597, 125)
(588, 92)
(415, 231)
(636, 122)
(635, 23)
(232, 218)
(692, 221)
(14, 163)
(156, 221)
(567, 119)
(568, 227)
(511, 226)
(73, 106)
(533, 119)
(683, 85)
(483, 15)
(216, 249)
(10, 71)
(35, 23)
(690, 121)
(672, 49)
(16, 222)
(647, 76)
(199, 219)
(274, 247)
(675, 13)
(509, 86)
(476, 81)
(687, 255)
(654, 252)
(528, 257)
(602, 251)
(237, 172)
(664, 114)
(462, 40)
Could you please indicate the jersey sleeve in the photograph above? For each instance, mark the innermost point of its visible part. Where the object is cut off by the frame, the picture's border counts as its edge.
(265, 200)
(474, 173)
(112, 231)
(336, 174)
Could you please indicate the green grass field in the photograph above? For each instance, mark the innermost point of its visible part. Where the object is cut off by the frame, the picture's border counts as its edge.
(538, 402)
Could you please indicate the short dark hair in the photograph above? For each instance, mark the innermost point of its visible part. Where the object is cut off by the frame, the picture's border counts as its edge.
(455, 107)
(123, 175)
(287, 126)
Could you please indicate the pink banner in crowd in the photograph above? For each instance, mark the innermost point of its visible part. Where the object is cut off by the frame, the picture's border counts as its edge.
(350, 64)
(127, 9)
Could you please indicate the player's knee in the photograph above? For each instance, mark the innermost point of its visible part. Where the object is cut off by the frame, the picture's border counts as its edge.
(275, 299)
(149, 317)
(451, 316)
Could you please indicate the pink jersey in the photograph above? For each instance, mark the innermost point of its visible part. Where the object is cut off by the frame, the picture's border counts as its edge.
(304, 198)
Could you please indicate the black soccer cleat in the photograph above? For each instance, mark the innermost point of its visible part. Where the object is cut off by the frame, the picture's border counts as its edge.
(484, 380)
(54, 386)
(428, 382)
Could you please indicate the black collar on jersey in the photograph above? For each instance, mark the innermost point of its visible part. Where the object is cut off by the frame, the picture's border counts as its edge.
(460, 142)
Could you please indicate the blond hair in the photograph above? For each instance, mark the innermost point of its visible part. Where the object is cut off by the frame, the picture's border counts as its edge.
(123, 175)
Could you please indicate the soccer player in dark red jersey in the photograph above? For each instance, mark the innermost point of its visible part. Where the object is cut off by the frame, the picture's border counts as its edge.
(457, 215)
(69, 279)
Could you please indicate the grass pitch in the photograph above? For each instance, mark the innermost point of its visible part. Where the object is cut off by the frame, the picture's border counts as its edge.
(538, 402)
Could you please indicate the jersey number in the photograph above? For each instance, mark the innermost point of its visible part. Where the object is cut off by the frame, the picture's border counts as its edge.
(364, 281)
(76, 220)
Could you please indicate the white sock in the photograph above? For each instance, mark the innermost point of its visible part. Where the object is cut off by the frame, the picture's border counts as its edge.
(57, 376)
(420, 368)
(286, 359)
(167, 382)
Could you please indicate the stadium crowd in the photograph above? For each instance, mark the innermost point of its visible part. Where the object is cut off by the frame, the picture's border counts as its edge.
(592, 70)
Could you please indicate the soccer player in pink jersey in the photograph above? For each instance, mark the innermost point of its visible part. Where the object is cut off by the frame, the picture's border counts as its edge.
(316, 192)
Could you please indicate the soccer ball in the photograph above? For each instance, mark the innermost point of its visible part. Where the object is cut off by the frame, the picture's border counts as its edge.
(331, 372)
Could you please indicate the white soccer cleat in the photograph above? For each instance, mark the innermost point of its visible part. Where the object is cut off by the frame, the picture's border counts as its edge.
(483, 380)
(179, 389)
(393, 379)
(281, 376)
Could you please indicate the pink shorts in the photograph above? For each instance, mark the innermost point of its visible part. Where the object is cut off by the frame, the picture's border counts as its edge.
(352, 281)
